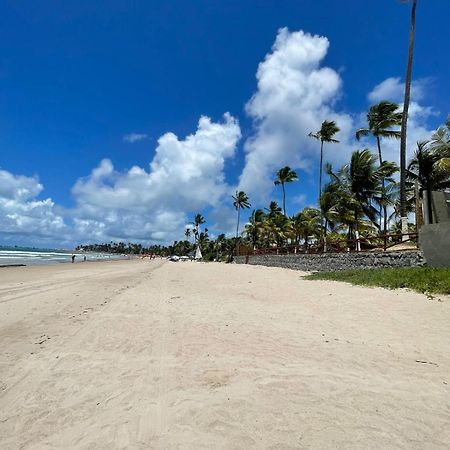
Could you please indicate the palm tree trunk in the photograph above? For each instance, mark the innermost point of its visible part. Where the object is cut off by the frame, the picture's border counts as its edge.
(383, 208)
(403, 212)
(358, 244)
(320, 170)
(284, 199)
(385, 220)
(237, 226)
(320, 184)
(379, 150)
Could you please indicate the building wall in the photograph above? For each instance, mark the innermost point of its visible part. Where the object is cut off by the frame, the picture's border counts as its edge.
(434, 240)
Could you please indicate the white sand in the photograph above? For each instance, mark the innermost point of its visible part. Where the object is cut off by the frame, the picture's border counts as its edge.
(139, 355)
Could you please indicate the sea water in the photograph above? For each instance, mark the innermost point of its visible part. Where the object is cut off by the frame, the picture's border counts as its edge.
(35, 256)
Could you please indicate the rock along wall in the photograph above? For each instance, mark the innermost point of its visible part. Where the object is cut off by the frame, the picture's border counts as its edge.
(336, 261)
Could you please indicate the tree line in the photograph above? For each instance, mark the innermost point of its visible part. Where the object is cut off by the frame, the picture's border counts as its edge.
(359, 199)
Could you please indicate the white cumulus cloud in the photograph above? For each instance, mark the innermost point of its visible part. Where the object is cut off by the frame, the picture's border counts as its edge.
(24, 218)
(294, 96)
(184, 176)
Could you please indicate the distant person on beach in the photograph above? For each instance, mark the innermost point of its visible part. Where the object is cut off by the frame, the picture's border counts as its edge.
(73, 258)
(84, 258)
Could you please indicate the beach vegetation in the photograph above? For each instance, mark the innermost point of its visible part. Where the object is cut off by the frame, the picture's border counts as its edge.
(427, 280)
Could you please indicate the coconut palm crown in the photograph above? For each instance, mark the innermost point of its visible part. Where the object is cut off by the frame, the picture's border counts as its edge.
(380, 119)
(240, 202)
(285, 175)
(325, 134)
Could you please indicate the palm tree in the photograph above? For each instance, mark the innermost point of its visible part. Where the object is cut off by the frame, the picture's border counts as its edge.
(278, 229)
(381, 118)
(240, 202)
(440, 144)
(198, 220)
(306, 224)
(273, 209)
(425, 168)
(253, 228)
(325, 134)
(187, 233)
(285, 175)
(329, 201)
(359, 184)
(406, 101)
(388, 197)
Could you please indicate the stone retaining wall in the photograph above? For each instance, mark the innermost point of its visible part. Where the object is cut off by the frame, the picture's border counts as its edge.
(336, 261)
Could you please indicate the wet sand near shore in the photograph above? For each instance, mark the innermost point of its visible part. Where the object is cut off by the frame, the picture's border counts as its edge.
(138, 355)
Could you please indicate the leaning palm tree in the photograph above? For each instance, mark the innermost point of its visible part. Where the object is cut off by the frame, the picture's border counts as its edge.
(285, 175)
(380, 119)
(240, 202)
(403, 200)
(325, 134)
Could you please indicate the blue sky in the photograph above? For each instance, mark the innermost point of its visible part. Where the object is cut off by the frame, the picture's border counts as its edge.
(86, 82)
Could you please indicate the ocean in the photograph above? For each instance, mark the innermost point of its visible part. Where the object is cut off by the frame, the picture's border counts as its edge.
(35, 256)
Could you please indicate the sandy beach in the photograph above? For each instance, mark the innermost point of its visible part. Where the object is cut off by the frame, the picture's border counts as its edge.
(143, 355)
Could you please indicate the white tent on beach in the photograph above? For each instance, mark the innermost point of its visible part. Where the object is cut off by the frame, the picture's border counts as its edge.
(198, 253)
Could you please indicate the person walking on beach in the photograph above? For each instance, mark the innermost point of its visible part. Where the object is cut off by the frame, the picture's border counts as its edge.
(73, 258)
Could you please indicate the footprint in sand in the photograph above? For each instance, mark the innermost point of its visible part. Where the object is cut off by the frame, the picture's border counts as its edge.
(216, 378)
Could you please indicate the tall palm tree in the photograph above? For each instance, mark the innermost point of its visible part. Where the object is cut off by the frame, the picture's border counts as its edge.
(406, 100)
(187, 233)
(285, 175)
(198, 220)
(325, 134)
(240, 202)
(380, 119)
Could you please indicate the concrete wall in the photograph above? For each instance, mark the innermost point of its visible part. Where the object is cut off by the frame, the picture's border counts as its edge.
(337, 261)
(434, 240)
